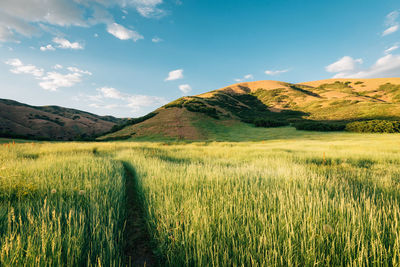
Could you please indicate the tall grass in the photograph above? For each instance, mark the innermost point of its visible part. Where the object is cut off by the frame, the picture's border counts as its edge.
(273, 204)
(330, 199)
(60, 205)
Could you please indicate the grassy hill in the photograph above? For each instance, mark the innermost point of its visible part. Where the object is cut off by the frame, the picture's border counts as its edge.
(328, 101)
(50, 122)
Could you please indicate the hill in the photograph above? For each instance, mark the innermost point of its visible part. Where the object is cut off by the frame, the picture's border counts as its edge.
(328, 101)
(51, 122)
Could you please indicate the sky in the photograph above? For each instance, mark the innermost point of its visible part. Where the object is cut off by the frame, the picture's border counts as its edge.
(128, 57)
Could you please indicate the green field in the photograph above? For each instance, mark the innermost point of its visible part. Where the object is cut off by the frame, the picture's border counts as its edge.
(294, 199)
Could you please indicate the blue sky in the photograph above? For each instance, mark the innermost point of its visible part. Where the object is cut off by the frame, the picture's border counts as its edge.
(127, 57)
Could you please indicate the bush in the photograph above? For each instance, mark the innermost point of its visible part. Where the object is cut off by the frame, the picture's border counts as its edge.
(193, 105)
(261, 122)
(374, 126)
(201, 108)
(318, 126)
(176, 104)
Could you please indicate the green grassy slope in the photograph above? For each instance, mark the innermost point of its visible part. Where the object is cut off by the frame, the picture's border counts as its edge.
(337, 100)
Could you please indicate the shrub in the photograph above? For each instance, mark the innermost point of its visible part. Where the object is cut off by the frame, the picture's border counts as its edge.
(176, 104)
(202, 108)
(374, 126)
(194, 105)
(318, 126)
(261, 122)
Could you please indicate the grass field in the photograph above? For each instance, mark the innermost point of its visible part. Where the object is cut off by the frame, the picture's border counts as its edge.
(299, 199)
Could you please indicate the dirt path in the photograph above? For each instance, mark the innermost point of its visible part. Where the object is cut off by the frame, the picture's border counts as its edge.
(137, 247)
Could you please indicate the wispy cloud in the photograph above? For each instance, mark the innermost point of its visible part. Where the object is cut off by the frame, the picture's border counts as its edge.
(19, 68)
(245, 78)
(51, 80)
(275, 72)
(112, 98)
(390, 30)
(175, 75)
(391, 49)
(110, 92)
(156, 39)
(185, 88)
(47, 47)
(65, 44)
(391, 23)
(123, 33)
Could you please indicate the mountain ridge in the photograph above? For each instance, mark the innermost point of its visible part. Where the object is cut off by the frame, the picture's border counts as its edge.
(329, 100)
(198, 117)
(51, 122)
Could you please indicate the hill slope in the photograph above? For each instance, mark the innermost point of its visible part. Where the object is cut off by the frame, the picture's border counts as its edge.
(50, 122)
(329, 100)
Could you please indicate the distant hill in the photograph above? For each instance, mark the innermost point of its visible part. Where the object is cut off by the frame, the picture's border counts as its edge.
(51, 122)
(332, 100)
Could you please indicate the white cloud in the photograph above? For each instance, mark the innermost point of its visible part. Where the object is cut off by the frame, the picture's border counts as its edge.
(20, 68)
(133, 102)
(23, 17)
(346, 63)
(138, 101)
(75, 69)
(392, 23)
(109, 92)
(391, 18)
(30, 17)
(57, 67)
(386, 66)
(390, 30)
(275, 72)
(54, 80)
(146, 8)
(156, 39)
(47, 47)
(123, 33)
(391, 49)
(175, 75)
(150, 12)
(51, 80)
(185, 88)
(245, 77)
(65, 44)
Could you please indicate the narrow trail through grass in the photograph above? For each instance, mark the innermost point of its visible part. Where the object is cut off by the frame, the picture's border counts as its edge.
(137, 249)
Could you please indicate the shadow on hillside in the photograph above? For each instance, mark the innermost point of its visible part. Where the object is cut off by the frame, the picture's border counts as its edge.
(299, 89)
(248, 107)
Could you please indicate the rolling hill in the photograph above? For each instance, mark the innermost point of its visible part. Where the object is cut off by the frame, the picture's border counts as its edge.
(51, 122)
(328, 101)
